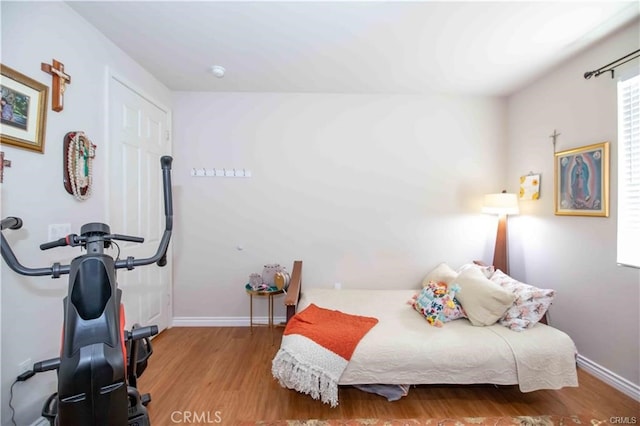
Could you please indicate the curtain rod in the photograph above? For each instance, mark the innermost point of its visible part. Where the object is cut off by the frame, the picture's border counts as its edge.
(613, 65)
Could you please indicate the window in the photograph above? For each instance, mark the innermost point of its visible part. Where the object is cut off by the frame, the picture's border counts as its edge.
(629, 172)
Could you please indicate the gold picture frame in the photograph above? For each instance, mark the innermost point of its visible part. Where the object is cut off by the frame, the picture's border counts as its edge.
(582, 181)
(24, 110)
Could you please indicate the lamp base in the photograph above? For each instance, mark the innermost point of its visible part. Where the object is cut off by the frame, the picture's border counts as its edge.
(500, 251)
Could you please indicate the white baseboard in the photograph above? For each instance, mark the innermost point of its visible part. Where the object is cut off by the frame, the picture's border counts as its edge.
(40, 422)
(221, 321)
(609, 377)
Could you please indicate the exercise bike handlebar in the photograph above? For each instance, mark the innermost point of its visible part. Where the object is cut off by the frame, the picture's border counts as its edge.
(11, 223)
(160, 257)
(75, 240)
(16, 266)
(58, 243)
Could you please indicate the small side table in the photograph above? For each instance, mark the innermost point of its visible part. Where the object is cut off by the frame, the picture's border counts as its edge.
(269, 293)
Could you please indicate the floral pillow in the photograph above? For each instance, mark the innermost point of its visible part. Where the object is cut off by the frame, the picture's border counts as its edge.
(437, 303)
(530, 305)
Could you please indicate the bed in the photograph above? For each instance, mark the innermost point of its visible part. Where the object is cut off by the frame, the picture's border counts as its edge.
(403, 349)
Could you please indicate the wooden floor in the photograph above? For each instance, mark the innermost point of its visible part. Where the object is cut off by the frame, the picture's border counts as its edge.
(223, 376)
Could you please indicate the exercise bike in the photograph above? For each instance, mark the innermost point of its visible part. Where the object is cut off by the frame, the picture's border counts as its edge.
(99, 361)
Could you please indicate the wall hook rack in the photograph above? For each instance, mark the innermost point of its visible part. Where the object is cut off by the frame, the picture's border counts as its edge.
(221, 172)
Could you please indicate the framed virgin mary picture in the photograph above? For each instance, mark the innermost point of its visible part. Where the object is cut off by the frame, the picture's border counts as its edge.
(582, 181)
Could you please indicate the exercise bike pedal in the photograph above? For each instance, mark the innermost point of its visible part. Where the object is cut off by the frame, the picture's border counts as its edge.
(145, 399)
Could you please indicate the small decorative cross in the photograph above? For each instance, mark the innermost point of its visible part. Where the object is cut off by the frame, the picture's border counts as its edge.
(3, 163)
(59, 84)
(554, 136)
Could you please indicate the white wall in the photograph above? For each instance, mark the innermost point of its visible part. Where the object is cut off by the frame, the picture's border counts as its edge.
(32, 307)
(597, 302)
(368, 190)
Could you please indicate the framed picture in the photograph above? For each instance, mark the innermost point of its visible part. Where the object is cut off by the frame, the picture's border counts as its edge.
(582, 181)
(530, 187)
(24, 110)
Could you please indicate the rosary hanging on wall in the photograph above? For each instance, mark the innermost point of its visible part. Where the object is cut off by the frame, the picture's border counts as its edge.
(79, 153)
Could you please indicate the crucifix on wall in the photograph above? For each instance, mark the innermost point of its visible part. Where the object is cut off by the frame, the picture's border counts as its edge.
(554, 136)
(3, 163)
(60, 80)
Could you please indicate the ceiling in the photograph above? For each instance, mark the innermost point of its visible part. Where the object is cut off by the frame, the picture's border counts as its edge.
(470, 47)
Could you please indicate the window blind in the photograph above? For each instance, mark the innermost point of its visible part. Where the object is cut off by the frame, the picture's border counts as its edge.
(628, 252)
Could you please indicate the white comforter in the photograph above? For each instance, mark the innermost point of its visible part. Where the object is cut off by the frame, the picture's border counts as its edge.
(404, 349)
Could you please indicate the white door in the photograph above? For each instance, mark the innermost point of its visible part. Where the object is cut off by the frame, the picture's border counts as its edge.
(138, 136)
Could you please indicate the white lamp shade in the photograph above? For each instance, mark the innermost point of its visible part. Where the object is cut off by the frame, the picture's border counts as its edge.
(502, 203)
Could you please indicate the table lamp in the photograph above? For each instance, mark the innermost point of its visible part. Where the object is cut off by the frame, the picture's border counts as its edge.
(501, 204)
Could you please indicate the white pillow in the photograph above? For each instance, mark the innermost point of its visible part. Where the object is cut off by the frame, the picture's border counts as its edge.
(485, 302)
(442, 273)
(487, 270)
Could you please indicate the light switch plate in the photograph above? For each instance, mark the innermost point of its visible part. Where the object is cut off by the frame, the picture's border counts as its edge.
(59, 230)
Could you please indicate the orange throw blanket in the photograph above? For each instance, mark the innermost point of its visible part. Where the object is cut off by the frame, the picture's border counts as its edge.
(316, 346)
